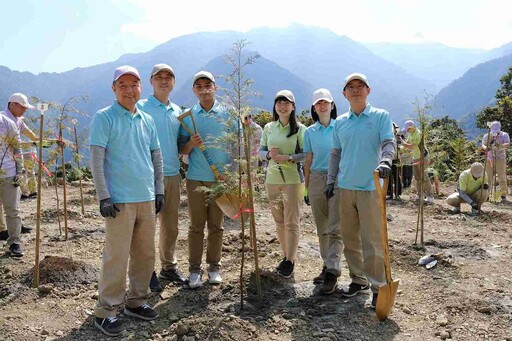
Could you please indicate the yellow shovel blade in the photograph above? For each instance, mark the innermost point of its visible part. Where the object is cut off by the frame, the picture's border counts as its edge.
(386, 299)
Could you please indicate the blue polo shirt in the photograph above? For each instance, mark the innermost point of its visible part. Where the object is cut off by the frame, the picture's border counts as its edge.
(360, 138)
(167, 126)
(128, 140)
(318, 140)
(214, 127)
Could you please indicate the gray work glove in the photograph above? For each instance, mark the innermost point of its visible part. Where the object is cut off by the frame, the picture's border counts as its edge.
(108, 208)
(384, 170)
(159, 202)
(329, 191)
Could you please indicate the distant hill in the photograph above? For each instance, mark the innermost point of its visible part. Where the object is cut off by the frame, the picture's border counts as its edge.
(299, 57)
(437, 63)
(474, 90)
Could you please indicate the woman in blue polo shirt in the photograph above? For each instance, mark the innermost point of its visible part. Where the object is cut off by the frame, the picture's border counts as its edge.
(317, 144)
(281, 145)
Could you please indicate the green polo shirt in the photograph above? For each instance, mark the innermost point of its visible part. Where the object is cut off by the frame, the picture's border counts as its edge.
(468, 184)
(415, 138)
(274, 135)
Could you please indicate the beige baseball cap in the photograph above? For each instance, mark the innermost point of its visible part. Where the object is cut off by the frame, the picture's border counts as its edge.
(21, 99)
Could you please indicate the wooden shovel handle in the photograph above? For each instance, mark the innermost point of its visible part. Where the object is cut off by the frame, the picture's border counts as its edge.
(381, 195)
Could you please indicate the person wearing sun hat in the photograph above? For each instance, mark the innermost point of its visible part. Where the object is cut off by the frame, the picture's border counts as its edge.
(317, 145)
(412, 142)
(362, 143)
(126, 164)
(472, 188)
(281, 144)
(496, 147)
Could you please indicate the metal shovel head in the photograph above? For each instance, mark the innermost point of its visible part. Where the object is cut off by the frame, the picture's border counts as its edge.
(230, 205)
(386, 299)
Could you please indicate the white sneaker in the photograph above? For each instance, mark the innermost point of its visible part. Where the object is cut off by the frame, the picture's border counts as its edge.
(195, 280)
(455, 210)
(214, 277)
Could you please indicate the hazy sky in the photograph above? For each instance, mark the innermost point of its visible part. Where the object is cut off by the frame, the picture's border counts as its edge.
(58, 35)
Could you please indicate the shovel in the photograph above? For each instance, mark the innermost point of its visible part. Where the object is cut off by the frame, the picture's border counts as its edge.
(387, 292)
(228, 203)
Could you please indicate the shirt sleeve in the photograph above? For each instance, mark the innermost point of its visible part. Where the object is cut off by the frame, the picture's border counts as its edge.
(386, 127)
(100, 131)
(335, 138)
(307, 144)
(155, 143)
(463, 182)
(264, 136)
(300, 137)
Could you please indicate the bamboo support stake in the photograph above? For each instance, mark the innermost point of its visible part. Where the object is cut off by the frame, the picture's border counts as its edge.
(64, 184)
(79, 171)
(42, 108)
(485, 166)
(57, 197)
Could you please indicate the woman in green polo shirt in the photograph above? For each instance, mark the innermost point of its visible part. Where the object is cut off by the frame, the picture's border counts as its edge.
(281, 145)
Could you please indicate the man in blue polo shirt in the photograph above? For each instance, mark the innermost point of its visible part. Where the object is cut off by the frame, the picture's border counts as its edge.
(213, 122)
(126, 164)
(362, 142)
(165, 114)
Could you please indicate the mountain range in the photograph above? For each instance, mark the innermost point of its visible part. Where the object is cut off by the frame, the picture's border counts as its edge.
(299, 58)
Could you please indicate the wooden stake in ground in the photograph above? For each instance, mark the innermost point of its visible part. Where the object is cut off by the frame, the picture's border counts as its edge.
(485, 166)
(419, 222)
(64, 183)
(79, 170)
(41, 107)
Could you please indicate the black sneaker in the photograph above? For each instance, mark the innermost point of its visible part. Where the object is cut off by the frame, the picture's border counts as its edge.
(320, 278)
(354, 289)
(16, 250)
(280, 265)
(4, 235)
(154, 284)
(26, 229)
(374, 301)
(110, 326)
(287, 269)
(173, 275)
(329, 285)
(144, 312)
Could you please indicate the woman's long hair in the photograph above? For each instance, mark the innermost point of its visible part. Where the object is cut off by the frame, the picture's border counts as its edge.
(294, 128)
(314, 115)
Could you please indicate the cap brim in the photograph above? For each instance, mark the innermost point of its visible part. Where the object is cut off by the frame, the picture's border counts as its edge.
(30, 106)
(164, 69)
(322, 99)
(127, 73)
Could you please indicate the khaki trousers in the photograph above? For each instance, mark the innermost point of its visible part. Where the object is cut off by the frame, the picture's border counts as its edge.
(202, 214)
(10, 199)
(427, 186)
(501, 172)
(455, 200)
(327, 220)
(130, 235)
(361, 233)
(285, 202)
(168, 217)
(2, 218)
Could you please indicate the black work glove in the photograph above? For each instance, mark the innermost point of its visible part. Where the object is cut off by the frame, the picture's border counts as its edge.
(474, 205)
(159, 202)
(329, 191)
(306, 197)
(384, 170)
(108, 208)
(486, 186)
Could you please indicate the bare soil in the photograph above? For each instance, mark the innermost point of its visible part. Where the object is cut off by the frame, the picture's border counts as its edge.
(466, 296)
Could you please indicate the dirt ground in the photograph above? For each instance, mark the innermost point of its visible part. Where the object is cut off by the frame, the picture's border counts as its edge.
(467, 296)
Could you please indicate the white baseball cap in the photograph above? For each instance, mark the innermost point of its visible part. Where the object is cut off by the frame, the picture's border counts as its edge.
(203, 74)
(322, 95)
(286, 94)
(477, 170)
(356, 75)
(495, 127)
(161, 67)
(125, 70)
(408, 124)
(21, 99)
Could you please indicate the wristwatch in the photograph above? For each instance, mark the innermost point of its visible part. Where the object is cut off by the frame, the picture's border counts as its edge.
(290, 158)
